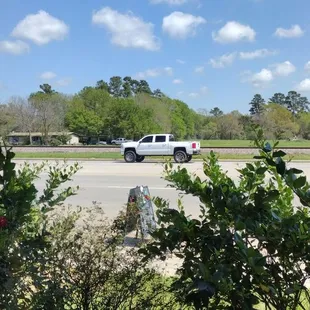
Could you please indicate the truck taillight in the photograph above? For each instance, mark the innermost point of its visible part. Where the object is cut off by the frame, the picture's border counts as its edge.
(193, 145)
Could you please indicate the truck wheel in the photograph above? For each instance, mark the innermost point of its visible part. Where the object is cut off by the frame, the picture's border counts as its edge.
(189, 158)
(130, 156)
(180, 157)
(140, 159)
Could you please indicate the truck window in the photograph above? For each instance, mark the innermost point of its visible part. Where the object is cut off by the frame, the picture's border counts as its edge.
(147, 139)
(171, 138)
(160, 139)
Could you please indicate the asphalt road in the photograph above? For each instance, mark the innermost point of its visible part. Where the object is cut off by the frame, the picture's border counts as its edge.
(108, 183)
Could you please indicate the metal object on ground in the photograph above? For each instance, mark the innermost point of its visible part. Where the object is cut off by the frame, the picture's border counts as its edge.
(140, 212)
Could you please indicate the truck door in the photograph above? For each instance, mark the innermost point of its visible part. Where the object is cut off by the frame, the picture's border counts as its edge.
(160, 145)
(145, 145)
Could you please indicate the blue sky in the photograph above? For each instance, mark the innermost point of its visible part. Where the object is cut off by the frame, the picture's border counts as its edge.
(205, 52)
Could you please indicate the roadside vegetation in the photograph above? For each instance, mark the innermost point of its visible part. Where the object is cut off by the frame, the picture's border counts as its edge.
(125, 107)
(248, 249)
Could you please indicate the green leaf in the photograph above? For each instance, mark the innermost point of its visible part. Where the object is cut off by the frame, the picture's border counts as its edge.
(240, 225)
(259, 157)
(300, 182)
(271, 162)
(250, 167)
(261, 170)
(278, 154)
(281, 167)
(276, 144)
(260, 261)
(264, 288)
(272, 195)
(289, 291)
(204, 270)
(275, 216)
(179, 255)
(295, 171)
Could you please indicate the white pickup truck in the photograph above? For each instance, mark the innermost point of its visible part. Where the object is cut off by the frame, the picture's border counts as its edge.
(159, 145)
(119, 141)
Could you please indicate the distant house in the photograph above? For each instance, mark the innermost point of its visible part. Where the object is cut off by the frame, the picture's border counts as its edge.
(22, 138)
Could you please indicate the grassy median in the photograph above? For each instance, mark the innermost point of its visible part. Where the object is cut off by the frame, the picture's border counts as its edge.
(117, 156)
(249, 143)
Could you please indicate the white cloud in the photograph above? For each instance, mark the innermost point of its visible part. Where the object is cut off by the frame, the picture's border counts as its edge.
(283, 69)
(127, 30)
(294, 32)
(233, 32)
(64, 82)
(262, 78)
(180, 61)
(180, 93)
(304, 86)
(223, 61)
(48, 75)
(177, 81)
(180, 25)
(41, 28)
(14, 47)
(148, 73)
(257, 54)
(168, 70)
(155, 72)
(265, 76)
(193, 95)
(200, 69)
(170, 2)
(307, 66)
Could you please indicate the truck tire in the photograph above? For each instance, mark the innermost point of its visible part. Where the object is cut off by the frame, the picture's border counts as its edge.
(180, 157)
(140, 159)
(130, 156)
(189, 158)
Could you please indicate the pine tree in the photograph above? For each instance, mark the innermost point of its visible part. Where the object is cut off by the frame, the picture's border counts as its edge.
(278, 98)
(257, 105)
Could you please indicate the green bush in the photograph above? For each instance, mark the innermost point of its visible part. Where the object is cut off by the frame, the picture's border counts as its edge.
(23, 218)
(60, 140)
(52, 261)
(55, 142)
(88, 267)
(250, 245)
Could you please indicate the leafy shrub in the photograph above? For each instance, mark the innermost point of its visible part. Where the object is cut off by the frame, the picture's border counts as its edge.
(88, 267)
(55, 142)
(250, 244)
(23, 217)
(56, 262)
(64, 139)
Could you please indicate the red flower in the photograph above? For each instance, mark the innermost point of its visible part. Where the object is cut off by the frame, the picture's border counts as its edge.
(3, 222)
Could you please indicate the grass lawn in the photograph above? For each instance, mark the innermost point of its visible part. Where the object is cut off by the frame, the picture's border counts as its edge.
(117, 156)
(239, 143)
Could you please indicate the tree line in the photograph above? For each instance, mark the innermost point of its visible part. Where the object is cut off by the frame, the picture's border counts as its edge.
(125, 107)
